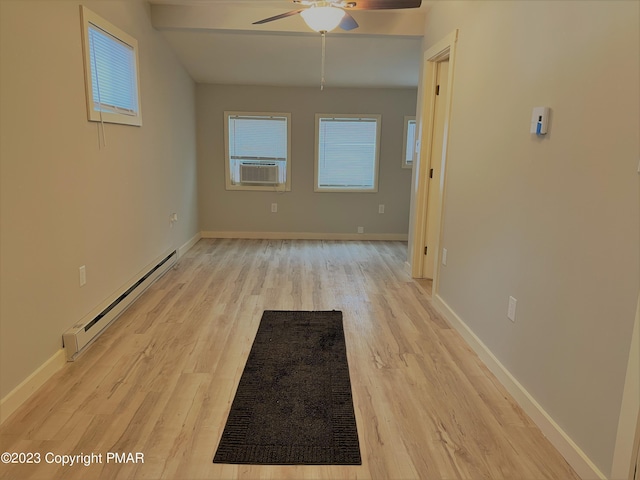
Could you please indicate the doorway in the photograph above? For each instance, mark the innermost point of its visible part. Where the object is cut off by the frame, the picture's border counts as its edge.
(432, 226)
(429, 176)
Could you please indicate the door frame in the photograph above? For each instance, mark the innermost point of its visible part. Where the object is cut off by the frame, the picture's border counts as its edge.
(431, 228)
(634, 473)
(445, 49)
(625, 455)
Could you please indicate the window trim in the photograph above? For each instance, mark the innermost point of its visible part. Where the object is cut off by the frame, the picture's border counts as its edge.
(90, 18)
(407, 120)
(368, 116)
(227, 161)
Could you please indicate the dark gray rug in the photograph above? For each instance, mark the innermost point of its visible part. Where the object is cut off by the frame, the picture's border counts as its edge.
(293, 405)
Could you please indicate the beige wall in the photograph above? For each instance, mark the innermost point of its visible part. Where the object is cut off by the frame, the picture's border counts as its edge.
(552, 221)
(65, 202)
(303, 210)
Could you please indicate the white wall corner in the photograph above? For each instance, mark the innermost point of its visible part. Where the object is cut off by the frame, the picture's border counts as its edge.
(19, 395)
(572, 453)
(189, 244)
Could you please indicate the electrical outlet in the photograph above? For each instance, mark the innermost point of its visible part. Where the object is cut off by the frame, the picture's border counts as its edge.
(360, 229)
(381, 208)
(83, 275)
(511, 310)
(444, 256)
(274, 208)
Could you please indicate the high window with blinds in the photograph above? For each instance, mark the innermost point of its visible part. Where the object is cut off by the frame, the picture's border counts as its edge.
(409, 141)
(111, 72)
(347, 150)
(257, 147)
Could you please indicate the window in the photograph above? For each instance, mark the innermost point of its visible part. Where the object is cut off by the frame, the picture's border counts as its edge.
(111, 72)
(257, 150)
(347, 149)
(409, 141)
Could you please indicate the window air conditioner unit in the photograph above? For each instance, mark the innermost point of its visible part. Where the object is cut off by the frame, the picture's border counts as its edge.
(264, 173)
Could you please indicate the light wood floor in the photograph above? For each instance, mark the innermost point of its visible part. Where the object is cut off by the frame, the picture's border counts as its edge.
(160, 380)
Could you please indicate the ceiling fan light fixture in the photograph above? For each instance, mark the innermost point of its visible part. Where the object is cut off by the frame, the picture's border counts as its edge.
(322, 19)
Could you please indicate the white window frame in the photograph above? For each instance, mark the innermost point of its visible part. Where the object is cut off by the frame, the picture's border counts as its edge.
(378, 120)
(96, 113)
(406, 148)
(286, 187)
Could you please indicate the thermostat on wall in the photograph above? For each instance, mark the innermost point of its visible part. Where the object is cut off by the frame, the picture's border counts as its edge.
(539, 120)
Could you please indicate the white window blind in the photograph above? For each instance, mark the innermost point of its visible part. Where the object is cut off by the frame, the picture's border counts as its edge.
(410, 142)
(347, 153)
(110, 72)
(113, 73)
(257, 138)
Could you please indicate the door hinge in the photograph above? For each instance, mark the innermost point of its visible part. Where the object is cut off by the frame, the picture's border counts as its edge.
(431, 173)
(437, 89)
(425, 250)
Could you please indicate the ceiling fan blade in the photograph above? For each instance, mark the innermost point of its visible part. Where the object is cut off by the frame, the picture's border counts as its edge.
(381, 4)
(348, 22)
(277, 17)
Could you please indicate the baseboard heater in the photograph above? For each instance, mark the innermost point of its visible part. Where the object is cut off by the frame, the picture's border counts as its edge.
(78, 337)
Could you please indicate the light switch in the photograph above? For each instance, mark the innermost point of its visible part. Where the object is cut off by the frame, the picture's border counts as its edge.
(83, 275)
(511, 310)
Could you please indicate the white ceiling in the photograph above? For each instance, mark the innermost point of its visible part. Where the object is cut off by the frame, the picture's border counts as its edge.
(217, 43)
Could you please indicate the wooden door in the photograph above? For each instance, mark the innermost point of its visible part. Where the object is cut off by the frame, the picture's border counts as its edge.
(432, 228)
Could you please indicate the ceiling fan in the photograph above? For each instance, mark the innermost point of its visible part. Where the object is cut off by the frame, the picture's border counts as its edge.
(325, 15)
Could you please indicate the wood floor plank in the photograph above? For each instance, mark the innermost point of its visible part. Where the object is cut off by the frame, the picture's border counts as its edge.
(161, 379)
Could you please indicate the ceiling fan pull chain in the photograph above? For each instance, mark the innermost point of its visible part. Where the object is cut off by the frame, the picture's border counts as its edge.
(323, 56)
(324, 36)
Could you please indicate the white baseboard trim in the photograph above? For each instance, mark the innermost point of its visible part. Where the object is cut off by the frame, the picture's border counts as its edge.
(16, 397)
(402, 237)
(187, 246)
(578, 460)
